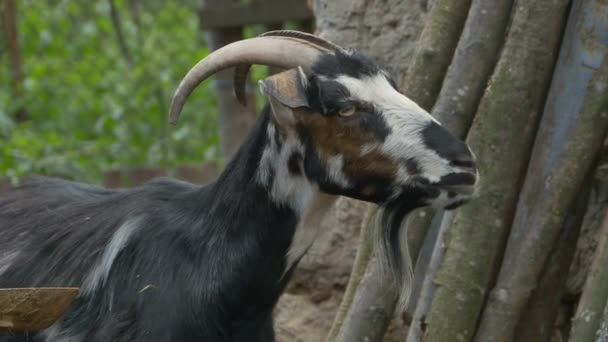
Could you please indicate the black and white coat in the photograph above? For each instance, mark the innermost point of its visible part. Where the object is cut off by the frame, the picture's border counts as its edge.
(173, 261)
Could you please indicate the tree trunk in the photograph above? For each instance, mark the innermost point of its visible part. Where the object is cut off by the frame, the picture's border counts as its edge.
(472, 65)
(602, 333)
(588, 317)
(434, 51)
(364, 253)
(537, 321)
(501, 136)
(574, 124)
(427, 292)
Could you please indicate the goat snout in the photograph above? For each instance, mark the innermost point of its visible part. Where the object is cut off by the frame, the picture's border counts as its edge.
(447, 146)
(464, 160)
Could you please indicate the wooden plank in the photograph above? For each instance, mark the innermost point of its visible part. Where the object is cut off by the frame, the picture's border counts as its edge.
(232, 14)
(33, 308)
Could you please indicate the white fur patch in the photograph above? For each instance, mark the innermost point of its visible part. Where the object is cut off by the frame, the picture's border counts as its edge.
(55, 334)
(296, 191)
(119, 240)
(6, 259)
(268, 156)
(335, 171)
(406, 120)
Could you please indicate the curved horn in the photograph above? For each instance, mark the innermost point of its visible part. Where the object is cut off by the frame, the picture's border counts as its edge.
(241, 71)
(304, 36)
(283, 52)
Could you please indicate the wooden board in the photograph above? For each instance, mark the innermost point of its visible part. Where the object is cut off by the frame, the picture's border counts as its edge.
(33, 308)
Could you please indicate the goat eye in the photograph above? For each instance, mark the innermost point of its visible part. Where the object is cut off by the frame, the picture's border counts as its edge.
(348, 111)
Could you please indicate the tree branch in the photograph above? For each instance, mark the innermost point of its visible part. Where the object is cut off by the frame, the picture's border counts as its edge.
(122, 43)
(434, 51)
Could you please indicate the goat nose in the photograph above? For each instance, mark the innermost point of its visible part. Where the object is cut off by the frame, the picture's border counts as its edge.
(464, 160)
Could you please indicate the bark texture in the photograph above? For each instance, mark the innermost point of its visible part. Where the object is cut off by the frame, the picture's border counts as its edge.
(501, 136)
(572, 130)
(591, 228)
(537, 322)
(364, 253)
(474, 60)
(602, 333)
(589, 313)
(434, 51)
(427, 292)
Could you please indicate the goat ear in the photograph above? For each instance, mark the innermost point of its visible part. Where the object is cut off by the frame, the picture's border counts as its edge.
(285, 91)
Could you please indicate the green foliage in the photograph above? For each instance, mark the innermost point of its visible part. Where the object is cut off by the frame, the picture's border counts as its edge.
(91, 110)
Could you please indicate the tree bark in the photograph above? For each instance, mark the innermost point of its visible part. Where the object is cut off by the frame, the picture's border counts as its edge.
(501, 136)
(434, 51)
(574, 125)
(537, 321)
(427, 292)
(592, 226)
(588, 317)
(364, 253)
(473, 62)
(602, 333)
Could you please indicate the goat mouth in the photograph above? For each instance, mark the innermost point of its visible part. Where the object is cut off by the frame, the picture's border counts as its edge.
(463, 190)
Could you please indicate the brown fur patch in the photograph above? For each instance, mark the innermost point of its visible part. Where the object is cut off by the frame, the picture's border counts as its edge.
(335, 135)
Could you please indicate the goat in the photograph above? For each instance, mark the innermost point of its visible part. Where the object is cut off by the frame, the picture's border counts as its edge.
(173, 261)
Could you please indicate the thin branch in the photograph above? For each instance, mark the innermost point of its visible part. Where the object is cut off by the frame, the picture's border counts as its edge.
(122, 43)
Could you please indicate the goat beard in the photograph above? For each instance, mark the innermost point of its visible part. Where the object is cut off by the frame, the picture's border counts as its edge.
(393, 246)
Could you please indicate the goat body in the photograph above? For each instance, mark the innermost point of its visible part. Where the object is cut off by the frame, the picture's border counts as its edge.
(167, 261)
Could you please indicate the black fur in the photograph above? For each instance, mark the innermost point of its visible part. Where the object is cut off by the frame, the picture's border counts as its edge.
(443, 143)
(351, 64)
(205, 263)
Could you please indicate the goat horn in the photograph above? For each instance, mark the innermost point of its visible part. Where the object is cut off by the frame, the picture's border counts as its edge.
(241, 71)
(283, 52)
(304, 36)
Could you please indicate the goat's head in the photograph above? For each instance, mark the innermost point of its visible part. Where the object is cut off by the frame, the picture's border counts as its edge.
(361, 137)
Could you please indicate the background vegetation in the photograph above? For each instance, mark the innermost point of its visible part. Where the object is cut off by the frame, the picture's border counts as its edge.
(97, 84)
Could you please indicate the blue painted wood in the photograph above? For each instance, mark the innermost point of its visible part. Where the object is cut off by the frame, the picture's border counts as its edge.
(584, 47)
